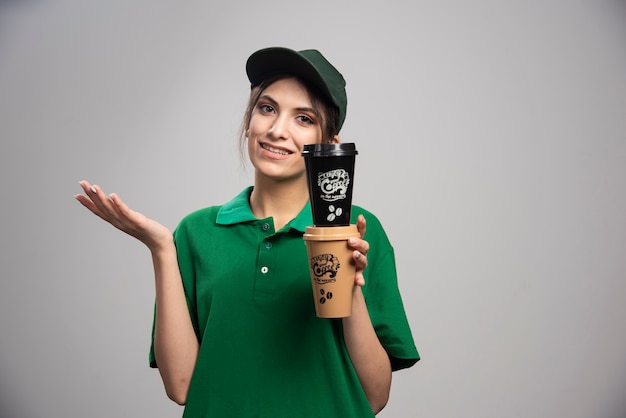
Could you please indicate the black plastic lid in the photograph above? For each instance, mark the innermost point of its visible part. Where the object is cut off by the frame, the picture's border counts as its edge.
(341, 149)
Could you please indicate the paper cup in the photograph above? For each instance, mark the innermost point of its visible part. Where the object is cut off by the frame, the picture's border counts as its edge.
(332, 269)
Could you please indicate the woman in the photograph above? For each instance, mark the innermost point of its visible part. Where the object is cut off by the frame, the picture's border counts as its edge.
(235, 331)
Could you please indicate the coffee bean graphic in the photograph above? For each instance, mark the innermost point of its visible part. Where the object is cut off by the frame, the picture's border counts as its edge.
(325, 296)
(334, 212)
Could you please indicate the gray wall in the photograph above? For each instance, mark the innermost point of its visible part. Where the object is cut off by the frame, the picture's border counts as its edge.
(492, 139)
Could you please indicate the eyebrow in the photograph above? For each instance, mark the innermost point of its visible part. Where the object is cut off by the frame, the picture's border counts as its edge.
(275, 103)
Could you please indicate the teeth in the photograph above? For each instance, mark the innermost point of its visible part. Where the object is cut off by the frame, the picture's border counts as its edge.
(275, 150)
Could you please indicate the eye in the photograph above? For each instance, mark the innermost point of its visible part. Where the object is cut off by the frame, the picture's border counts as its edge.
(306, 119)
(265, 108)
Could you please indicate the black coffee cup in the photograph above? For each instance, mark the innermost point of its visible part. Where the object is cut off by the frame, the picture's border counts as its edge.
(330, 178)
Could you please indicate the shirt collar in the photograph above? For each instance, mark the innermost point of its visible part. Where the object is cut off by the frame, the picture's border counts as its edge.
(238, 211)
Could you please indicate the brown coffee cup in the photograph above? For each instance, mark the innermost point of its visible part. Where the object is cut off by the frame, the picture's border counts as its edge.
(332, 269)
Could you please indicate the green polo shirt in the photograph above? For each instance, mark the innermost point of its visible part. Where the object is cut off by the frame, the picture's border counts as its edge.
(263, 352)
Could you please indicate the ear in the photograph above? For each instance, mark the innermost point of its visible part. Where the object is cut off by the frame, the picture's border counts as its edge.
(335, 139)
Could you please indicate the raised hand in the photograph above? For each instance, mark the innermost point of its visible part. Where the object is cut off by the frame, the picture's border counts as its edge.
(114, 211)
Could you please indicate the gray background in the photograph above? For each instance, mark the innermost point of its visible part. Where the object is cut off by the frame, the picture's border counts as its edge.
(492, 139)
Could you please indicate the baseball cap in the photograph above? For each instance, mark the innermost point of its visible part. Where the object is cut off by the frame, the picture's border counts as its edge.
(309, 65)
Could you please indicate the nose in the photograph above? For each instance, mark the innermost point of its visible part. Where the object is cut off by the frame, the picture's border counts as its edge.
(280, 127)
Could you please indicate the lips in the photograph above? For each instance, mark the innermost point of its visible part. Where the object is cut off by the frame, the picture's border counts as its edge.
(279, 151)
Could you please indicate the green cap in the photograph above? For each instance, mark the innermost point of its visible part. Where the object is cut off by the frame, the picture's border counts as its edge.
(309, 65)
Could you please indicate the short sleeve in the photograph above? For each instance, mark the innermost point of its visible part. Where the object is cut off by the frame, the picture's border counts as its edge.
(383, 298)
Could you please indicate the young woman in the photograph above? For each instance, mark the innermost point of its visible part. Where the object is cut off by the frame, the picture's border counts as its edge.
(235, 331)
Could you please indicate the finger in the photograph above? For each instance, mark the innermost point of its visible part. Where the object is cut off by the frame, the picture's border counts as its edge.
(87, 188)
(360, 225)
(359, 279)
(359, 244)
(102, 201)
(91, 206)
(122, 209)
(360, 260)
(119, 204)
(86, 199)
(101, 204)
(86, 202)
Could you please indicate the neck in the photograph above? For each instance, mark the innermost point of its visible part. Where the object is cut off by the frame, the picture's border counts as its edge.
(280, 200)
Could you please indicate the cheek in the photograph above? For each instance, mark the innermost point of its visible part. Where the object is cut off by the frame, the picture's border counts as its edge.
(251, 153)
(308, 136)
(255, 127)
(316, 138)
(250, 146)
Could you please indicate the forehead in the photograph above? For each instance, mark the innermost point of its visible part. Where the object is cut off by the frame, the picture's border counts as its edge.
(288, 87)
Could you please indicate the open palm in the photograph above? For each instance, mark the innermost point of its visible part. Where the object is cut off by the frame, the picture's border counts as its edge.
(114, 211)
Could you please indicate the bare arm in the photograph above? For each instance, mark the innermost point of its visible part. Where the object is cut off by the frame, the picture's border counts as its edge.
(175, 342)
(370, 359)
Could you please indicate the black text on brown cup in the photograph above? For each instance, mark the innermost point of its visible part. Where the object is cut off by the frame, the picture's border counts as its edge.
(330, 178)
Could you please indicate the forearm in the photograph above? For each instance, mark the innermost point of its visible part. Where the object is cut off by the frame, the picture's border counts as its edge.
(367, 354)
(175, 342)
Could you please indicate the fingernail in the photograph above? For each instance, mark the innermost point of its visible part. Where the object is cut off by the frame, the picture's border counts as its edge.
(358, 255)
(93, 189)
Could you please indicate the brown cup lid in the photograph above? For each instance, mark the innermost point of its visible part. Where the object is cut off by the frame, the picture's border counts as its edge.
(330, 233)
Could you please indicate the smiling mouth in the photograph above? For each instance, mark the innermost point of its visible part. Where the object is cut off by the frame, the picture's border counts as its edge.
(275, 150)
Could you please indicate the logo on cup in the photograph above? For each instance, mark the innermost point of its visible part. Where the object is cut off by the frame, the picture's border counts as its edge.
(333, 184)
(323, 264)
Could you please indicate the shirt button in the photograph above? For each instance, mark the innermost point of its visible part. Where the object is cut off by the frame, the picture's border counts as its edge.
(264, 270)
(266, 227)
(268, 245)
